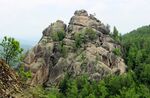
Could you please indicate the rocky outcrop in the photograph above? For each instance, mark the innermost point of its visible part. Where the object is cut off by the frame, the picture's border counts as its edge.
(86, 48)
(9, 83)
(81, 20)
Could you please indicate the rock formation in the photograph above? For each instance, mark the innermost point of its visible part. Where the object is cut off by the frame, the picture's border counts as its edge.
(9, 83)
(84, 47)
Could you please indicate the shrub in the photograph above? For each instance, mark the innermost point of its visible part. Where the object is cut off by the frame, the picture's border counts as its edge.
(84, 36)
(55, 36)
(25, 75)
(40, 92)
(58, 36)
(79, 39)
(117, 51)
(63, 49)
(91, 33)
(61, 35)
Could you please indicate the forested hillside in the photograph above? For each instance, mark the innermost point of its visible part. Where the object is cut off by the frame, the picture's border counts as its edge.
(137, 47)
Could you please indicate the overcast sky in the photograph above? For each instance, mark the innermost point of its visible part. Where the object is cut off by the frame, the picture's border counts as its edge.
(26, 19)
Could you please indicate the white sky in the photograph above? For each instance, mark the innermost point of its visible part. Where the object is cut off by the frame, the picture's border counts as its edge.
(26, 19)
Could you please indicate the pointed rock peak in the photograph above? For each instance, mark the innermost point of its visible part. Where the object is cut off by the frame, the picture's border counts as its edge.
(81, 13)
(81, 20)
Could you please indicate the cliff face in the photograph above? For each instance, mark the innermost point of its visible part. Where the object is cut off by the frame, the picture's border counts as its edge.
(84, 47)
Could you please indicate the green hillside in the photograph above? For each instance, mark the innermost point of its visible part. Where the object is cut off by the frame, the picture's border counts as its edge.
(137, 47)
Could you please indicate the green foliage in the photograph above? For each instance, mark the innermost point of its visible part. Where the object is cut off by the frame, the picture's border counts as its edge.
(61, 35)
(110, 87)
(10, 50)
(135, 83)
(40, 92)
(129, 93)
(117, 51)
(115, 32)
(84, 36)
(143, 73)
(91, 34)
(72, 90)
(136, 47)
(63, 49)
(143, 91)
(58, 36)
(116, 35)
(83, 56)
(102, 90)
(24, 75)
(116, 83)
(91, 96)
(81, 87)
(79, 39)
(55, 36)
(140, 91)
(137, 56)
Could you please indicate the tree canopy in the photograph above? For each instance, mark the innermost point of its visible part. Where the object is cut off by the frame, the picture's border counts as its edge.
(10, 50)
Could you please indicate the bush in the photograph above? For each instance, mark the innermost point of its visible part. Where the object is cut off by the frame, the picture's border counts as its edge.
(63, 49)
(117, 51)
(79, 39)
(61, 35)
(25, 75)
(40, 92)
(55, 37)
(58, 36)
(84, 36)
(91, 33)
